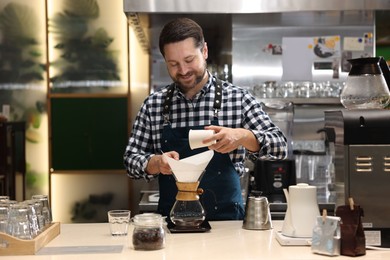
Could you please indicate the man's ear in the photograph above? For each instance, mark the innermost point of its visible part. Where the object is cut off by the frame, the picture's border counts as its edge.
(205, 51)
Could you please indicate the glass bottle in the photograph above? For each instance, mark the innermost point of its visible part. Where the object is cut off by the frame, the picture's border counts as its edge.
(365, 86)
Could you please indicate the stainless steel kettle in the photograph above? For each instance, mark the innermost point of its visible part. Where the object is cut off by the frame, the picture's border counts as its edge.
(257, 212)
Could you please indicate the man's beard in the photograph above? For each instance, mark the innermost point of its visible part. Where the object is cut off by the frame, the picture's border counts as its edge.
(198, 79)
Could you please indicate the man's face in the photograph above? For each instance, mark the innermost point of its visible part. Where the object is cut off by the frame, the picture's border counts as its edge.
(186, 64)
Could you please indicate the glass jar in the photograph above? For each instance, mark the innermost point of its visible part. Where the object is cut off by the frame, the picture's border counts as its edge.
(149, 231)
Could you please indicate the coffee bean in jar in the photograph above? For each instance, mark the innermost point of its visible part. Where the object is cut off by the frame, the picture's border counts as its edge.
(149, 232)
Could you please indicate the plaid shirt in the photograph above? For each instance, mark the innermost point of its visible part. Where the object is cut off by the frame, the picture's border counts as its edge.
(239, 109)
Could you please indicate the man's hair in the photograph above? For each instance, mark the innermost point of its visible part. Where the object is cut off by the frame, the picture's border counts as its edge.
(179, 30)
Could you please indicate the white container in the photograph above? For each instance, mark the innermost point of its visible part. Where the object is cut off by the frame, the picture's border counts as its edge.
(302, 211)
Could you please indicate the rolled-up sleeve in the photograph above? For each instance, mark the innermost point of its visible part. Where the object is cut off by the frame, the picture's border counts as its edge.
(272, 141)
(140, 146)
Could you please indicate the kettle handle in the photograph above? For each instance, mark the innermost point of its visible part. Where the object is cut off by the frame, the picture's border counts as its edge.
(267, 219)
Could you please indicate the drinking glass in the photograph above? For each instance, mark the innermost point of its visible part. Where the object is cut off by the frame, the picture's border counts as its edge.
(119, 222)
(3, 217)
(33, 216)
(18, 221)
(46, 211)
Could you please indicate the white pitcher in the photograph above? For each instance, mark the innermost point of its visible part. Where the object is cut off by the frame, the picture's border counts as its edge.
(302, 210)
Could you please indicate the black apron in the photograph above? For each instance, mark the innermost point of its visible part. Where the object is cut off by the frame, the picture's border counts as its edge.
(222, 198)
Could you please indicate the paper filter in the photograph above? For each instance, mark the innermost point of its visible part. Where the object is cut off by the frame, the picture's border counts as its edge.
(191, 168)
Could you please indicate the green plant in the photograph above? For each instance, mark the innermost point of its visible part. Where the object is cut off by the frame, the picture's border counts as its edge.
(19, 52)
(85, 56)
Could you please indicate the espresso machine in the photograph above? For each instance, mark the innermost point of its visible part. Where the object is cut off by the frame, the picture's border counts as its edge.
(362, 166)
(361, 135)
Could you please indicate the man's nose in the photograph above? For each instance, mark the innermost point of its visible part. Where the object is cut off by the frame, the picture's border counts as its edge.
(183, 69)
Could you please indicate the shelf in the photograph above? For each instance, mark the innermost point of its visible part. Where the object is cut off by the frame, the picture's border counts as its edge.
(302, 101)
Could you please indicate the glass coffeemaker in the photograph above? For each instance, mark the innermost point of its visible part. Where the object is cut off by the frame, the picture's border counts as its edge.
(366, 86)
(188, 212)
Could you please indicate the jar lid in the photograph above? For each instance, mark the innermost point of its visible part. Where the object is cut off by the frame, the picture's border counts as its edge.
(148, 219)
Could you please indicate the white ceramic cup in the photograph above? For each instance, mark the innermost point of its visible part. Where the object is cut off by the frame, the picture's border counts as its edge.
(119, 222)
(196, 138)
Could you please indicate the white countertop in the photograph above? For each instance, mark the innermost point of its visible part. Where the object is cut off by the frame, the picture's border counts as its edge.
(226, 240)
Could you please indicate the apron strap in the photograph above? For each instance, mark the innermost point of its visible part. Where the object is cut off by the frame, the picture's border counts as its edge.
(167, 103)
(168, 100)
(218, 98)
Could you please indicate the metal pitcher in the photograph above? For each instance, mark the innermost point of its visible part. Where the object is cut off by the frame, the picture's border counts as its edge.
(257, 212)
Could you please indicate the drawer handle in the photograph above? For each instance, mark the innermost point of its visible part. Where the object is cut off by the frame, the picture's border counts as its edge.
(361, 164)
(364, 169)
(364, 158)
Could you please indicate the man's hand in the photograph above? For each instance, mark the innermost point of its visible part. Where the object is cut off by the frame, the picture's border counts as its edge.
(229, 139)
(158, 163)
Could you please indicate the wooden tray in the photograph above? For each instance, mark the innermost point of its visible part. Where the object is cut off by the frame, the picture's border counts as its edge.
(10, 245)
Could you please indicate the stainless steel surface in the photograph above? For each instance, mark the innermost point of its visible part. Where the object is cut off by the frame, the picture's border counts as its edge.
(253, 63)
(309, 119)
(145, 204)
(334, 120)
(368, 167)
(250, 6)
(240, 40)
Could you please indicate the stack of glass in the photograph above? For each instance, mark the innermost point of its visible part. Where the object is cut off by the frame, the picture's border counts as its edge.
(25, 219)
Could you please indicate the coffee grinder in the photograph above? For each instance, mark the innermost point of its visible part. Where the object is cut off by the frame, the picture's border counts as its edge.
(271, 177)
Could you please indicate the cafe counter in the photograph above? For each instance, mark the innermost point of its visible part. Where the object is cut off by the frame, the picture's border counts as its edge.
(226, 240)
